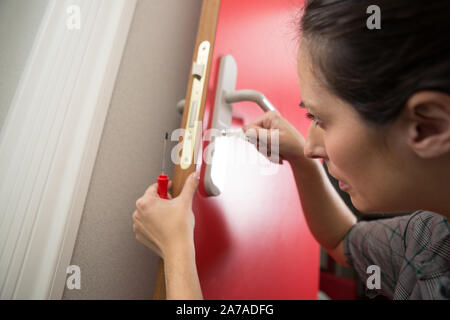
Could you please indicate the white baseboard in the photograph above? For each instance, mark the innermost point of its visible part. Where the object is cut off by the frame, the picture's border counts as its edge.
(50, 139)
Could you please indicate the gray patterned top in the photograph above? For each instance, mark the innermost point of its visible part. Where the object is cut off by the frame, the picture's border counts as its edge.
(412, 253)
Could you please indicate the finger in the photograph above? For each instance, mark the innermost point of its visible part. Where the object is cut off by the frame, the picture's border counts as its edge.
(152, 190)
(169, 186)
(262, 140)
(276, 159)
(265, 121)
(135, 216)
(260, 137)
(251, 134)
(258, 122)
(190, 186)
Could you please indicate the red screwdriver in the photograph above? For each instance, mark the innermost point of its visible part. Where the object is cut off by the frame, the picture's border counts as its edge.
(163, 179)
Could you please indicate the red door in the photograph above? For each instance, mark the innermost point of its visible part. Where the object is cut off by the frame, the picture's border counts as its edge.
(252, 241)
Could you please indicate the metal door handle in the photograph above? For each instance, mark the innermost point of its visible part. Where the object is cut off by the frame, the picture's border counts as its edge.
(226, 95)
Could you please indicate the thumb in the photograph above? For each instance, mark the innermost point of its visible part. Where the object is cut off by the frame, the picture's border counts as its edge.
(251, 132)
(190, 186)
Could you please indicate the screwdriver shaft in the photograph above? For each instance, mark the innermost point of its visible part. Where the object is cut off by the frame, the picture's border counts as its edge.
(163, 166)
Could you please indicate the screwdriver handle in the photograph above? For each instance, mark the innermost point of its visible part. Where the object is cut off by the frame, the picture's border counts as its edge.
(163, 181)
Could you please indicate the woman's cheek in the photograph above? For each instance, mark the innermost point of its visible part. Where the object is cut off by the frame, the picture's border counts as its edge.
(339, 155)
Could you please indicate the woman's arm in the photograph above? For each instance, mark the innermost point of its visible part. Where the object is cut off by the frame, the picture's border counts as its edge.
(180, 270)
(327, 215)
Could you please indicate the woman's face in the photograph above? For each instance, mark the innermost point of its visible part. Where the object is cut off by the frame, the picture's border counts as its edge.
(354, 152)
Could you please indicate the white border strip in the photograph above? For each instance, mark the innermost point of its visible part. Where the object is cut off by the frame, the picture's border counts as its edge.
(50, 140)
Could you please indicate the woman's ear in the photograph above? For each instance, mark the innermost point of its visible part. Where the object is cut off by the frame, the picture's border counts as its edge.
(428, 114)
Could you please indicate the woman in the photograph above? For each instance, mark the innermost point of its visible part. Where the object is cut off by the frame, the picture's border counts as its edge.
(380, 104)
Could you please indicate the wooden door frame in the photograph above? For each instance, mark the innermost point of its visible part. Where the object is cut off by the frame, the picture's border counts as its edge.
(206, 32)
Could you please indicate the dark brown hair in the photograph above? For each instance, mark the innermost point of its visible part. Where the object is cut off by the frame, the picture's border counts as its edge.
(376, 71)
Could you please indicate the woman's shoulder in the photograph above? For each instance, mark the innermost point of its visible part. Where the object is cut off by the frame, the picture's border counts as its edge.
(426, 222)
(427, 253)
(428, 232)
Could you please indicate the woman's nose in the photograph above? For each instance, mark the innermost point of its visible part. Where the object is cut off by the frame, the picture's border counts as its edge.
(314, 147)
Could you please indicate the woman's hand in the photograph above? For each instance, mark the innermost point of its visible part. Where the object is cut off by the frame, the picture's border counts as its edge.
(166, 226)
(291, 142)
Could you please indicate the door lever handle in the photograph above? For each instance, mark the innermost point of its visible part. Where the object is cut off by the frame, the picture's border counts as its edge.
(226, 95)
(249, 95)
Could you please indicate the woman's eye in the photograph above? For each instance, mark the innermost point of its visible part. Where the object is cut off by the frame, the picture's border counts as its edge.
(312, 117)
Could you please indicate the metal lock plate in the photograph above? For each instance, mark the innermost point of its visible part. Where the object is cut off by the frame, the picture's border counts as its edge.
(192, 123)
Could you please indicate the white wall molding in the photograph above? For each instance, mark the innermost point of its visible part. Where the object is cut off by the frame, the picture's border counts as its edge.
(50, 139)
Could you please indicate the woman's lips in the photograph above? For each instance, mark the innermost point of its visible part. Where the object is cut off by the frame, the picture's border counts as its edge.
(343, 186)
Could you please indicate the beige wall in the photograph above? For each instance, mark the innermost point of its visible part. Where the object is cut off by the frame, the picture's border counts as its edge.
(152, 78)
